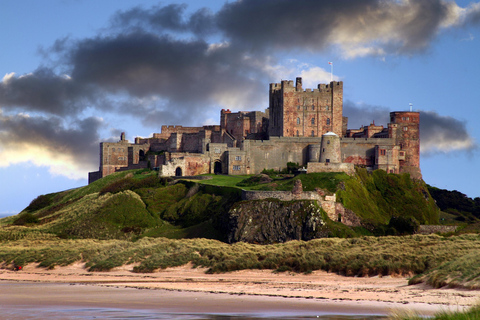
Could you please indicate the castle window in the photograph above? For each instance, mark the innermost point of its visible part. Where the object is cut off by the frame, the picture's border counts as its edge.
(298, 120)
(238, 158)
(236, 168)
(328, 121)
(298, 107)
(382, 152)
(402, 153)
(313, 107)
(313, 133)
(328, 141)
(218, 150)
(313, 121)
(297, 133)
(405, 128)
(327, 108)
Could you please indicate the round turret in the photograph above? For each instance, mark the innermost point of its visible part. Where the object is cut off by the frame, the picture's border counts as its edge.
(330, 148)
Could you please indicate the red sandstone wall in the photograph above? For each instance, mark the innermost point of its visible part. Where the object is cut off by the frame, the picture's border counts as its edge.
(295, 112)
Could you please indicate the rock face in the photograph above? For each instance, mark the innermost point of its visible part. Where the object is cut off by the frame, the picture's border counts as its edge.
(274, 221)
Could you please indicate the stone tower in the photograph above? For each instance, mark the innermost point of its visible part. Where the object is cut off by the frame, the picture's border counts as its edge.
(330, 149)
(295, 112)
(405, 129)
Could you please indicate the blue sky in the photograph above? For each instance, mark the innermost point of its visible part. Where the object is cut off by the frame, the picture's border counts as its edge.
(77, 72)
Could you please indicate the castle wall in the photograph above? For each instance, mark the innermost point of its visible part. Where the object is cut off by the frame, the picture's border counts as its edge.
(189, 164)
(276, 152)
(236, 162)
(361, 151)
(387, 158)
(191, 142)
(113, 155)
(348, 168)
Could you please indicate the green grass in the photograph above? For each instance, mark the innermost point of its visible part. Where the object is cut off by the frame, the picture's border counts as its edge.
(223, 180)
(379, 196)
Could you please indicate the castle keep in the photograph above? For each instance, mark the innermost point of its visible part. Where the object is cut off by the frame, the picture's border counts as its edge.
(304, 126)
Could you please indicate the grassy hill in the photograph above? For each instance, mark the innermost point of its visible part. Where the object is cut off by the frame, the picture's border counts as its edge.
(135, 204)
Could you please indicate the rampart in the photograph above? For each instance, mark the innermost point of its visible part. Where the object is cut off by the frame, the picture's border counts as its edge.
(428, 229)
(327, 204)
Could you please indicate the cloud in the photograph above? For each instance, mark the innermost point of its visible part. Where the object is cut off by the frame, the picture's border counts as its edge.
(44, 91)
(443, 134)
(68, 150)
(438, 134)
(356, 28)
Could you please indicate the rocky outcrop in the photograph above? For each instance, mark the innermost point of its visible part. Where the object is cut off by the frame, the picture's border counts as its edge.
(273, 221)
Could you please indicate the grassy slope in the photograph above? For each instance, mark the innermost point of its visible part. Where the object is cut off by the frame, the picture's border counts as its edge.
(379, 196)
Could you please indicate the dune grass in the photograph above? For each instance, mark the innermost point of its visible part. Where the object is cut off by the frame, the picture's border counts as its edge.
(352, 257)
(470, 314)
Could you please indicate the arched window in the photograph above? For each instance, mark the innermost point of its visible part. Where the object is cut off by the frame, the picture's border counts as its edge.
(298, 120)
(313, 121)
(313, 133)
(313, 107)
(328, 121)
(297, 133)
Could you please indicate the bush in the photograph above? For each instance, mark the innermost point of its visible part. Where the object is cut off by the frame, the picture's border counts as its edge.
(25, 218)
(39, 202)
(404, 225)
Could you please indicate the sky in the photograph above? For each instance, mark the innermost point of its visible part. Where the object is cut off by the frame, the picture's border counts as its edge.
(74, 73)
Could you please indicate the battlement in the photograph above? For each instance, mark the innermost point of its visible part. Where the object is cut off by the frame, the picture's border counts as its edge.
(288, 85)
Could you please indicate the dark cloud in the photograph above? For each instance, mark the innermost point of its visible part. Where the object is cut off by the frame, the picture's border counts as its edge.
(388, 26)
(356, 27)
(181, 76)
(444, 134)
(170, 18)
(165, 18)
(77, 140)
(473, 14)
(43, 90)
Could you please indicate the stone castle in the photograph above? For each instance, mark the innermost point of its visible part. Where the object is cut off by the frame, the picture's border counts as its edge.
(304, 126)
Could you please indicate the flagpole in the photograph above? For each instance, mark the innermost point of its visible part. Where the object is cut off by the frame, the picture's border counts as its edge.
(331, 70)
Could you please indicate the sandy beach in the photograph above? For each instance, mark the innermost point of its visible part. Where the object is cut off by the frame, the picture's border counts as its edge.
(187, 289)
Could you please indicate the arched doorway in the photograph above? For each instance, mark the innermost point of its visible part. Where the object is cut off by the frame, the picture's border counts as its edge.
(178, 172)
(141, 155)
(217, 167)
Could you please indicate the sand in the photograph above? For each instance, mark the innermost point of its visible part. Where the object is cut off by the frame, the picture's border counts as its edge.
(187, 289)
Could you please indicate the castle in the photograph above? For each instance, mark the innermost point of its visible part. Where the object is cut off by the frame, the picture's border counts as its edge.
(304, 126)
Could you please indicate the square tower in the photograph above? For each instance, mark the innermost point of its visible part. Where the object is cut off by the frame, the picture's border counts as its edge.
(295, 112)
